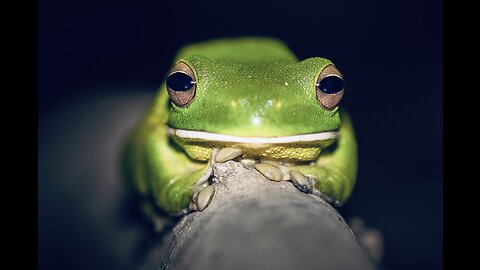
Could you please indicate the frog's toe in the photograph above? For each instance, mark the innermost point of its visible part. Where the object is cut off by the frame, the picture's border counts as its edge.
(302, 182)
(203, 198)
(248, 162)
(324, 196)
(272, 168)
(270, 171)
(226, 154)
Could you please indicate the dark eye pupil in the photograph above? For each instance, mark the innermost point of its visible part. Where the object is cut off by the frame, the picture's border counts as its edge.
(331, 85)
(179, 81)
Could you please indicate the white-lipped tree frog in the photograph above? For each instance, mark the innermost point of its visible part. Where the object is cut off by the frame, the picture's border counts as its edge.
(248, 99)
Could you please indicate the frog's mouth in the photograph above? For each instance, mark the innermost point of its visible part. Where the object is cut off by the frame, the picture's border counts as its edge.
(304, 147)
(217, 137)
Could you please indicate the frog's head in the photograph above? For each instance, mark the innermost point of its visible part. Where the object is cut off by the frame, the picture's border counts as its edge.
(215, 104)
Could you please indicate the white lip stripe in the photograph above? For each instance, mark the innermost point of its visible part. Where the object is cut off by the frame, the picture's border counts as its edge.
(207, 136)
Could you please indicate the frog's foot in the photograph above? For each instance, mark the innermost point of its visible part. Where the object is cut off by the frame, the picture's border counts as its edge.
(303, 183)
(273, 170)
(202, 199)
(306, 183)
(322, 195)
(204, 190)
(226, 154)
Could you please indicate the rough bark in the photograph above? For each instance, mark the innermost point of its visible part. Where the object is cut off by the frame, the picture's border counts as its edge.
(254, 223)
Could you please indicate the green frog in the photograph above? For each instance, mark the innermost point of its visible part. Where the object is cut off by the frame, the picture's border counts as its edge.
(245, 99)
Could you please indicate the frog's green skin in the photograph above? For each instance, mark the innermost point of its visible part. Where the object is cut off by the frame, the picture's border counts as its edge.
(246, 88)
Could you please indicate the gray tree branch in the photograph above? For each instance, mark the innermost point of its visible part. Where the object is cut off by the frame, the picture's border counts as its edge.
(254, 223)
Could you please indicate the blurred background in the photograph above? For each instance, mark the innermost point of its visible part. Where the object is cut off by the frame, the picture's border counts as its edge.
(100, 63)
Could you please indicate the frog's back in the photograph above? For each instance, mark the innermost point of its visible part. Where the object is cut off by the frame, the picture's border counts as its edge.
(242, 50)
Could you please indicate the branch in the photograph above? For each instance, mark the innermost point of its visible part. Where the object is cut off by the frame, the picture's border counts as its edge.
(254, 223)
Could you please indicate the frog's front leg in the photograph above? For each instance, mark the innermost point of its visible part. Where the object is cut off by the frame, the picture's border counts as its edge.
(191, 191)
(165, 176)
(325, 181)
(334, 172)
(331, 176)
(187, 192)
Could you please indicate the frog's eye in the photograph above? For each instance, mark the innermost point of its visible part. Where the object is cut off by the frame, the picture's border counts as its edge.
(181, 84)
(330, 87)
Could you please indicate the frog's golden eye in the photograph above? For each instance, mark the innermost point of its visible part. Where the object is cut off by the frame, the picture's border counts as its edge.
(330, 87)
(181, 84)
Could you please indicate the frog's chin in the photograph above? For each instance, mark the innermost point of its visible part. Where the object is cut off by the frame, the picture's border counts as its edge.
(217, 137)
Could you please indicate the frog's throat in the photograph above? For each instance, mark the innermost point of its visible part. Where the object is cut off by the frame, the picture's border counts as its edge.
(217, 137)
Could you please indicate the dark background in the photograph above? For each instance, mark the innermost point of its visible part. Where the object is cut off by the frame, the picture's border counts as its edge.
(390, 53)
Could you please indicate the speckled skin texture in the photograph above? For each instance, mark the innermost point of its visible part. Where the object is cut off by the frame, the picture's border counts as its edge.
(278, 94)
(247, 87)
